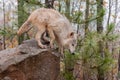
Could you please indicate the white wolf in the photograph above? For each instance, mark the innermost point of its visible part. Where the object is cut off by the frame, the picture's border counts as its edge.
(57, 26)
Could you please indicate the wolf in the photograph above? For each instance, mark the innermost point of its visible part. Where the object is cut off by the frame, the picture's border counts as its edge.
(55, 24)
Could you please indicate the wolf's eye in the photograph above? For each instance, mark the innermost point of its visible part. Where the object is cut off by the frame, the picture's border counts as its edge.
(72, 44)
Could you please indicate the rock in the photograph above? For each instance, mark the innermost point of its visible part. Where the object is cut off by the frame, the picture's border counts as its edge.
(28, 62)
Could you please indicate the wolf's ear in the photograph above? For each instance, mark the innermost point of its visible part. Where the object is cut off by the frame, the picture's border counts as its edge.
(71, 35)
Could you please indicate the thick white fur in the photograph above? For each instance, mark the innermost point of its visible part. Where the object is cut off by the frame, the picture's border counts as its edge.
(57, 25)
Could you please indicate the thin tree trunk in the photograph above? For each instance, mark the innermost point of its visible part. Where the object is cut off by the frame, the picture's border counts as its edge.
(116, 8)
(85, 71)
(67, 8)
(119, 60)
(109, 13)
(20, 18)
(100, 30)
(100, 19)
(4, 44)
(59, 6)
(49, 3)
(86, 16)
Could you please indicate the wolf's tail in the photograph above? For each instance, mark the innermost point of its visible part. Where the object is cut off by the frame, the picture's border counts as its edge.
(24, 28)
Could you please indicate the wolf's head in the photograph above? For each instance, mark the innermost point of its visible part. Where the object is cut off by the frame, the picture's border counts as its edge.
(71, 42)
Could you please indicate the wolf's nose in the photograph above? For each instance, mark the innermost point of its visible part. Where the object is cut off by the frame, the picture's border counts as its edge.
(73, 53)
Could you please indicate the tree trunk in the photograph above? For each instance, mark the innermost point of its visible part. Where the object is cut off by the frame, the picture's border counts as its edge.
(100, 19)
(86, 16)
(21, 18)
(109, 13)
(49, 3)
(85, 69)
(100, 30)
(116, 12)
(4, 44)
(67, 9)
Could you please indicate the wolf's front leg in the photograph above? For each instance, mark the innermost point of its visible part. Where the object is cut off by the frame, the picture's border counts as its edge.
(38, 37)
(52, 36)
(61, 50)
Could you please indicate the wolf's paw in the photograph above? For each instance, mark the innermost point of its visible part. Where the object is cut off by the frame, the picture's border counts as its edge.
(43, 46)
(51, 46)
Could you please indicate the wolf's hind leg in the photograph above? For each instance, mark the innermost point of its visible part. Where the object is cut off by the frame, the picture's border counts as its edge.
(38, 37)
(45, 37)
